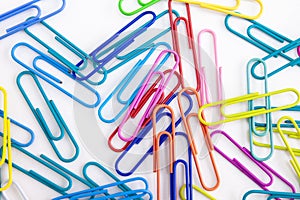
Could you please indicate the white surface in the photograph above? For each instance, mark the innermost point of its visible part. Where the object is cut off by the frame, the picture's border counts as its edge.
(88, 23)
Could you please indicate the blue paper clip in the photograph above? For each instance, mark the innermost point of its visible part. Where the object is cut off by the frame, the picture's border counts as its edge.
(51, 79)
(125, 82)
(60, 189)
(32, 5)
(42, 122)
(272, 194)
(188, 172)
(84, 57)
(104, 189)
(114, 51)
(144, 132)
(25, 128)
(252, 129)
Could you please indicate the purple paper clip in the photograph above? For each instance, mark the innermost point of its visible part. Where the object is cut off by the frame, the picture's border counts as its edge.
(267, 169)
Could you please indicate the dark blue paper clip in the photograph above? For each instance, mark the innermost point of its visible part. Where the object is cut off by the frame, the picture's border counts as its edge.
(25, 128)
(188, 172)
(125, 82)
(42, 122)
(144, 132)
(104, 189)
(84, 57)
(32, 5)
(51, 79)
(40, 178)
(114, 51)
(272, 194)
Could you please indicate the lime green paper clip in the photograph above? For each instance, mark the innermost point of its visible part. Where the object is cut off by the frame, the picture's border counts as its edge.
(244, 99)
(143, 6)
(198, 189)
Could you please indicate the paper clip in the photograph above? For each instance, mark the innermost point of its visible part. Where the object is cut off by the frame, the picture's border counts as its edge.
(272, 194)
(42, 122)
(146, 131)
(51, 79)
(31, 5)
(25, 128)
(188, 129)
(190, 37)
(227, 9)
(41, 178)
(161, 87)
(18, 189)
(246, 114)
(251, 121)
(188, 172)
(121, 87)
(263, 166)
(198, 189)
(72, 48)
(298, 50)
(143, 6)
(104, 189)
(6, 141)
(294, 160)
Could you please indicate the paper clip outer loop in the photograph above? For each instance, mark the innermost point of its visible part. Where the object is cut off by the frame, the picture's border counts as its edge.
(198, 189)
(56, 115)
(25, 24)
(142, 91)
(246, 114)
(50, 79)
(143, 7)
(206, 135)
(272, 194)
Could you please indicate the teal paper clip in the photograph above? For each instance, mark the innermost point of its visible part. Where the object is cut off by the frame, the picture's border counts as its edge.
(25, 128)
(51, 79)
(272, 194)
(31, 5)
(252, 129)
(42, 122)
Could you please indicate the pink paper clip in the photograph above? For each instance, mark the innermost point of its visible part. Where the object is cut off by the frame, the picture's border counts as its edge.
(298, 51)
(161, 87)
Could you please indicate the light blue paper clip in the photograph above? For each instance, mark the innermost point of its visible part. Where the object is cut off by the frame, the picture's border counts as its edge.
(125, 82)
(25, 128)
(272, 194)
(252, 129)
(31, 5)
(51, 79)
(42, 122)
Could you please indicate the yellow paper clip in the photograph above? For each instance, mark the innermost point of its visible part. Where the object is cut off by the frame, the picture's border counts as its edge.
(226, 9)
(6, 147)
(244, 99)
(294, 160)
(198, 189)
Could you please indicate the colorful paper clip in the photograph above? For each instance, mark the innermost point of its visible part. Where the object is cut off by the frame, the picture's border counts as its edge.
(246, 114)
(22, 126)
(267, 170)
(6, 149)
(51, 79)
(31, 5)
(161, 87)
(104, 189)
(252, 130)
(18, 189)
(198, 189)
(146, 131)
(188, 172)
(41, 178)
(121, 87)
(190, 37)
(294, 160)
(64, 130)
(142, 5)
(188, 129)
(73, 49)
(272, 194)
(227, 9)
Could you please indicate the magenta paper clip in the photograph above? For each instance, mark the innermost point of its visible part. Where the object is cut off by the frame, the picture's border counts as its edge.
(161, 87)
(248, 172)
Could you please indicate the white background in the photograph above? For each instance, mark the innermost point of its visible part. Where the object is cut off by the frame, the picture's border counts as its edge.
(87, 24)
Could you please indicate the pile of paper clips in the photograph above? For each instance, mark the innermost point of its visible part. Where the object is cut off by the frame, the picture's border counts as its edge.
(152, 100)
